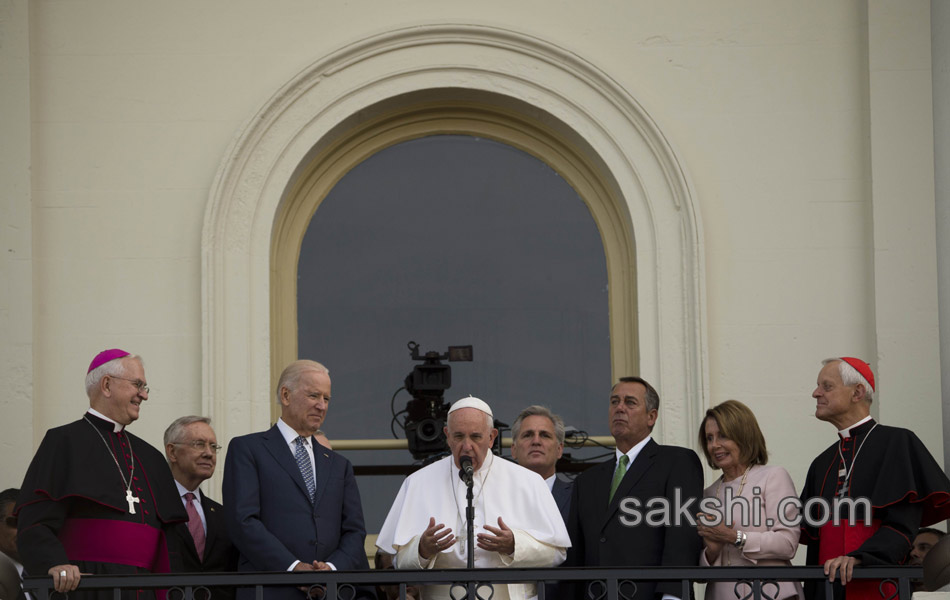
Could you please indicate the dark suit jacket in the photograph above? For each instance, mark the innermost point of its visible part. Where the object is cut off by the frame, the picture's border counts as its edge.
(10, 588)
(600, 539)
(271, 518)
(562, 496)
(561, 490)
(220, 553)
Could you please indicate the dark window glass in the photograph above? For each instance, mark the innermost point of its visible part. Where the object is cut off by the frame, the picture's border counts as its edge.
(453, 240)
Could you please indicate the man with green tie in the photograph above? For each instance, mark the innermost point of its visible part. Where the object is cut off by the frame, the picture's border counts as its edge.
(604, 530)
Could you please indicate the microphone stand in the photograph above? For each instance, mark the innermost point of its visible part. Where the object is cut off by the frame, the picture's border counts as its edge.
(470, 518)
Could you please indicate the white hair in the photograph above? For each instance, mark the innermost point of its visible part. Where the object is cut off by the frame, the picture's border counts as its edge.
(488, 419)
(176, 431)
(113, 368)
(850, 376)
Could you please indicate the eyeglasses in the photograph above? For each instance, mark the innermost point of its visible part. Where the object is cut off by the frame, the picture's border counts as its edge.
(200, 445)
(138, 383)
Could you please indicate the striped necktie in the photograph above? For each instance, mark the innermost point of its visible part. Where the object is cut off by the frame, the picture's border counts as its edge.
(303, 463)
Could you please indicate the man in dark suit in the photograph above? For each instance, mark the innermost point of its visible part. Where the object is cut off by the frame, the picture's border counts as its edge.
(202, 545)
(537, 442)
(609, 497)
(290, 503)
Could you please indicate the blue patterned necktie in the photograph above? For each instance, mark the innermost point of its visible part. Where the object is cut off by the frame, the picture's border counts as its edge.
(303, 463)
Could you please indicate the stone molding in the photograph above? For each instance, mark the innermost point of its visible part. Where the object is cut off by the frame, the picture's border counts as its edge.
(304, 117)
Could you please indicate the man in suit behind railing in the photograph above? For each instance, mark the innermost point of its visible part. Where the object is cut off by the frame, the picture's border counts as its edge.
(291, 504)
(537, 442)
(202, 545)
(603, 533)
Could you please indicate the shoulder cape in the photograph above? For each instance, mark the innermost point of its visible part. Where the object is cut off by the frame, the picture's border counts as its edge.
(72, 462)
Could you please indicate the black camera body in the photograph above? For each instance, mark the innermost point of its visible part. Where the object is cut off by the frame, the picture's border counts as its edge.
(427, 412)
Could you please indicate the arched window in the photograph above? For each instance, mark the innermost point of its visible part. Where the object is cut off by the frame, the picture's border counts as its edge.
(473, 80)
(452, 240)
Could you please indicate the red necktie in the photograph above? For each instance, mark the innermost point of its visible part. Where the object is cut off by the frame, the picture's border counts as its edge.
(194, 525)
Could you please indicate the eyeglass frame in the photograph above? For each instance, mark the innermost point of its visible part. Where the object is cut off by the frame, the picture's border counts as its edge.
(138, 383)
(201, 445)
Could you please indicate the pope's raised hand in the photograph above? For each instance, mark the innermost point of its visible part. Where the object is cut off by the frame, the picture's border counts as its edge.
(503, 540)
(436, 538)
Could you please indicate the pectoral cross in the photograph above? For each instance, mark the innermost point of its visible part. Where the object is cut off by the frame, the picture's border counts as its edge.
(132, 500)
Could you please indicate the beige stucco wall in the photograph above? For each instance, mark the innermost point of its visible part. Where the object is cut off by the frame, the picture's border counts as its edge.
(803, 128)
(16, 275)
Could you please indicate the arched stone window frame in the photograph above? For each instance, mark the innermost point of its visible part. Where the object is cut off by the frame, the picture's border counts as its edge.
(470, 79)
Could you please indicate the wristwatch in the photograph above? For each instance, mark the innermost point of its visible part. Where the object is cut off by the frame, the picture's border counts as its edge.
(740, 539)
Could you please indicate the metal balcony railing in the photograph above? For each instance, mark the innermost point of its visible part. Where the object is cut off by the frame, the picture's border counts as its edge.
(474, 584)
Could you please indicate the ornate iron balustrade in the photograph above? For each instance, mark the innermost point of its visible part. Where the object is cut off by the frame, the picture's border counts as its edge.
(602, 583)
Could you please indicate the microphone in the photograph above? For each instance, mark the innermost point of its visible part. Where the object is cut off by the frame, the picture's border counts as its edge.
(467, 469)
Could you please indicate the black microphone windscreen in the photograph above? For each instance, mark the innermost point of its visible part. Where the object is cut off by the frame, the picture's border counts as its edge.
(466, 467)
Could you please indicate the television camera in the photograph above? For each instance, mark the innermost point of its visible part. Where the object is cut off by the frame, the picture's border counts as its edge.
(427, 412)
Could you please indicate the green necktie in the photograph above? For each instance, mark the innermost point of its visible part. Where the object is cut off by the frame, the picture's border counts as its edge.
(618, 475)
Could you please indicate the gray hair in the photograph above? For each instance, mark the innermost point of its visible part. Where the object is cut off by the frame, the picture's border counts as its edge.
(176, 431)
(113, 368)
(536, 410)
(850, 377)
(291, 375)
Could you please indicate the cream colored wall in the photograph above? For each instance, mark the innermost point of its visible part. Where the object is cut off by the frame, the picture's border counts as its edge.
(800, 124)
(16, 295)
(905, 256)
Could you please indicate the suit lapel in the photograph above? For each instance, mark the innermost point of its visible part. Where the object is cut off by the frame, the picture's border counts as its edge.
(562, 494)
(211, 518)
(278, 448)
(600, 484)
(321, 460)
(640, 466)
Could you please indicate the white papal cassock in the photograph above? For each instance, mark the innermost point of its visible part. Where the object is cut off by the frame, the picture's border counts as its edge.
(501, 489)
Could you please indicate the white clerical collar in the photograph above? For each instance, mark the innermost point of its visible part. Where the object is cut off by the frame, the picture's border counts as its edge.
(632, 453)
(182, 490)
(550, 481)
(117, 427)
(846, 432)
(289, 434)
(483, 470)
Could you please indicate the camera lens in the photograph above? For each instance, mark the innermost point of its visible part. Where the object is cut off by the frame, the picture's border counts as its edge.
(428, 430)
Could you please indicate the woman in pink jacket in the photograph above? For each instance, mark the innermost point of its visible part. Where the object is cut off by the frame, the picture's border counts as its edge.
(742, 526)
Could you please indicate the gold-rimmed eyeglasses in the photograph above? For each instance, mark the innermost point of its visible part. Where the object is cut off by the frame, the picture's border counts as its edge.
(200, 445)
